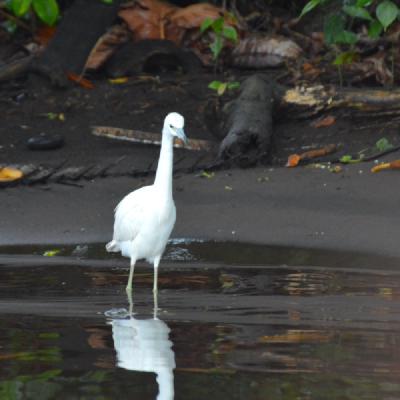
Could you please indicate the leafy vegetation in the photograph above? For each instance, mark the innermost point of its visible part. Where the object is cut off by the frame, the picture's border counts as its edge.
(379, 15)
(222, 87)
(221, 31)
(48, 11)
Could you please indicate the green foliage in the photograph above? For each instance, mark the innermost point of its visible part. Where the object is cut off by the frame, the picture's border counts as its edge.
(379, 15)
(47, 10)
(387, 12)
(222, 87)
(383, 145)
(221, 32)
(337, 28)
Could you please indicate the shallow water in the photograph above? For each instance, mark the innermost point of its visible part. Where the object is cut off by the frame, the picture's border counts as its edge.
(236, 321)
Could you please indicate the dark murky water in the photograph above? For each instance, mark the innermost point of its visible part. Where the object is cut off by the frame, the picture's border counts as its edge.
(236, 321)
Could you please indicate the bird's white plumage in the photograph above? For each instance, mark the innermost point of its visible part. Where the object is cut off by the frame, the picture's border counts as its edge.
(143, 223)
(144, 219)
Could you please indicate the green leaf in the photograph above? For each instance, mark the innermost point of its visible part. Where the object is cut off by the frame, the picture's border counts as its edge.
(207, 22)
(383, 144)
(51, 253)
(216, 47)
(208, 175)
(107, 1)
(346, 57)
(363, 3)
(214, 85)
(233, 85)
(347, 37)
(333, 27)
(348, 159)
(230, 33)
(222, 88)
(20, 7)
(357, 12)
(218, 25)
(47, 10)
(386, 12)
(309, 6)
(375, 29)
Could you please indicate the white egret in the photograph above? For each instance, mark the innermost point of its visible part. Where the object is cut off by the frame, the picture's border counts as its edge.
(144, 219)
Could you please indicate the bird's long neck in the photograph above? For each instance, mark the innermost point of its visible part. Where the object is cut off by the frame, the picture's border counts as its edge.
(163, 180)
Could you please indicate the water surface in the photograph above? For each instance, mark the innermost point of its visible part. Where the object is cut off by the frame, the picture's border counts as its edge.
(236, 321)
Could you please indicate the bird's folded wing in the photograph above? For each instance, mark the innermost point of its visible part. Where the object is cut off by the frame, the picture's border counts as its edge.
(130, 214)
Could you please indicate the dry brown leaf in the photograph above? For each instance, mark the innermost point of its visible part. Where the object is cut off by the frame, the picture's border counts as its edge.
(106, 45)
(324, 122)
(85, 83)
(373, 66)
(390, 165)
(146, 18)
(8, 174)
(153, 19)
(191, 17)
(264, 51)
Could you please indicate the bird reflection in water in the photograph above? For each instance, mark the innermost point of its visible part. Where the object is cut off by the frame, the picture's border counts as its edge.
(143, 345)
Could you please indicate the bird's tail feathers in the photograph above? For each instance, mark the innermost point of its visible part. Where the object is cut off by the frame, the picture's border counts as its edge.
(112, 246)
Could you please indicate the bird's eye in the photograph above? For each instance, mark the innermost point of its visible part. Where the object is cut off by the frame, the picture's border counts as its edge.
(171, 126)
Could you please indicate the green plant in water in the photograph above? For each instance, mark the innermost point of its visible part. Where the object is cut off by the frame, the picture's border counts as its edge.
(222, 87)
(222, 32)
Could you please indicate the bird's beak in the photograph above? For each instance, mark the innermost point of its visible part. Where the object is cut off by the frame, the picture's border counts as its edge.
(180, 134)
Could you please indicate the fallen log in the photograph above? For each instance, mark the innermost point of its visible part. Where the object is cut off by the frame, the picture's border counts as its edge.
(306, 101)
(247, 123)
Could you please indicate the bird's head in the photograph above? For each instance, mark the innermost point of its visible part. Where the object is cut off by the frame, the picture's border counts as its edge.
(174, 124)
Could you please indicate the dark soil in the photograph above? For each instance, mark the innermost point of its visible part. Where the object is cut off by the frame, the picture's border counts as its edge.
(142, 104)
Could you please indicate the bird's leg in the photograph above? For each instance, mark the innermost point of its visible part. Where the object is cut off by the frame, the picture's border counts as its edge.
(129, 294)
(131, 271)
(155, 284)
(155, 309)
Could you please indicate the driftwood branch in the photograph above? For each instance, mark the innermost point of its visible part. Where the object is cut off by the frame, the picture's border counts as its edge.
(136, 136)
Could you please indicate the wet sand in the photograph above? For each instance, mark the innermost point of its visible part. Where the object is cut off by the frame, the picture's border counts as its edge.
(303, 207)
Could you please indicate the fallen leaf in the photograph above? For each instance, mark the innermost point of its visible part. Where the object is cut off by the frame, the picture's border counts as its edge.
(264, 51)
(8, 174)
(51, 253)
(294, 159)
(374, 66)
(154, 19)
(348, 159)
(208, 175)
(106, 46)
(118, 81)
(228, 188)
(324, 122)
(146, 18)
(390, 165)
(85, 83)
